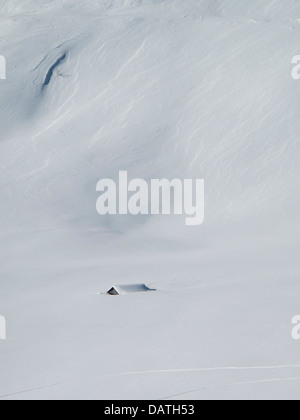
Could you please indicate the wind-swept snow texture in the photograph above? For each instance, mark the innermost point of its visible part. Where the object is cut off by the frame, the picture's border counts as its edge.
(161, 89)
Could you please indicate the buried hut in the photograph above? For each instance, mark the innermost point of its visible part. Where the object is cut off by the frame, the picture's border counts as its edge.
(129, 288)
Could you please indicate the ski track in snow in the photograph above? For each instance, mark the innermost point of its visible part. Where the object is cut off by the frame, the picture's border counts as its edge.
(207, 370)
(163, 371)
(225, 386)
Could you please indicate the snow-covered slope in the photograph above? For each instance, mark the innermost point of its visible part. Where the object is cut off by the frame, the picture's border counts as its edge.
(194, 88)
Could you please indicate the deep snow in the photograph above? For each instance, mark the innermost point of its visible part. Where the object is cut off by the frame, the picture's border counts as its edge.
(188, 89)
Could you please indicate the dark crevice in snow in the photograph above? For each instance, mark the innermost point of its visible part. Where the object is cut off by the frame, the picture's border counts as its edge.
(49, 75)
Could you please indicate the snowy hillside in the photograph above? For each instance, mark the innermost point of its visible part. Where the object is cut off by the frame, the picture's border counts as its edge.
(161, 89)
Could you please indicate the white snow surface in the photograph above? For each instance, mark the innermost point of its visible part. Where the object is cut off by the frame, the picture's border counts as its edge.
(162, 89)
